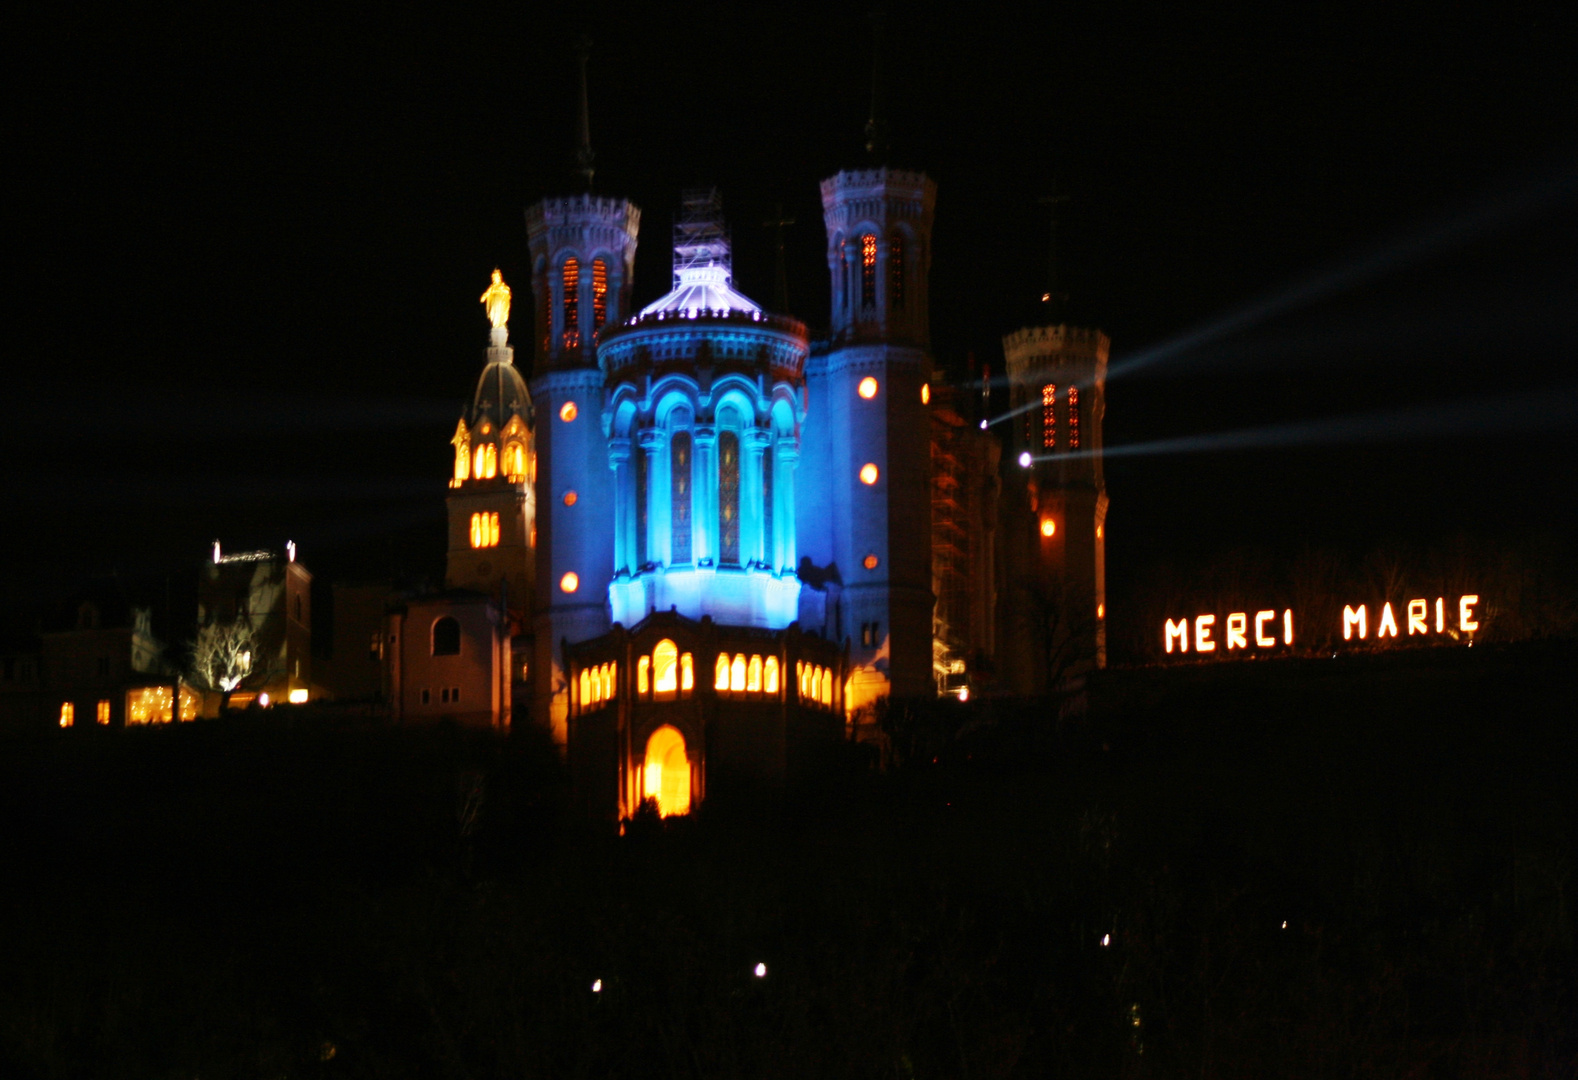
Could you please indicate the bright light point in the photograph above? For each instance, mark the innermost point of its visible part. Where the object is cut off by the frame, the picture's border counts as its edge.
(761, 971)
(868, 473)
(870, 562)
(1046, 298)
(925, 393)
(570, 582)
(263, 700)
(1106, 939)
(1101, 611)
(298, 696)
(983, 425)
(567, 411)
(868, 388)
(597, 986)
(1048, 527)
(964, 693)
(569, 498)
(1024, 455)
(1284, 924)
(1099, 529)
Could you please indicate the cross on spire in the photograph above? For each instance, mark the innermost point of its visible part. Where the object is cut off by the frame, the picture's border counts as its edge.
(778, 222)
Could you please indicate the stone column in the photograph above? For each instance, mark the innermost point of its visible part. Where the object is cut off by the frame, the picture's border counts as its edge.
(704, 499)
(752, 442)
(783, 510)
(624, 506)
(659, 502)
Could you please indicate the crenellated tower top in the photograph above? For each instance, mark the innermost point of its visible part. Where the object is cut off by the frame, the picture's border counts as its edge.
(879, 254)
(583, 251)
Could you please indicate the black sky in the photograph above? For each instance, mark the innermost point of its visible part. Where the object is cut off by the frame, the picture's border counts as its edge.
(246, 247)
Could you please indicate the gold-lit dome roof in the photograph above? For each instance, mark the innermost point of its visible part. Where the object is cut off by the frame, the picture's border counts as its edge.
(501, 393)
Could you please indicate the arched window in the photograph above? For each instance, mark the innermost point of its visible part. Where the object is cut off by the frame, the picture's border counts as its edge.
(737, 672)
(638, 463)
(1049, 416)
(679, 462)
(643, 675)
(769, 541)
(571, 283)
(462, 459)
(665, 776)
(515, 462)
(896, 271)
(610, 673)
(770, 675)
(721, 680)
(868, 271)
(729, 498)
(1073, 418)
(487, 461)
(446, 637)
(599, 294)
(586, 689)
(753, 675)
(687, 674)
(665, 662)
(827, 688)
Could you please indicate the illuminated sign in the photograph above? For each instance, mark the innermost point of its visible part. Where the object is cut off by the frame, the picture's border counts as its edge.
(1267, 630)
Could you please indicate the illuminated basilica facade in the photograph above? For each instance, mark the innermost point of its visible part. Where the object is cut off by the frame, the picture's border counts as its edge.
(708, 543)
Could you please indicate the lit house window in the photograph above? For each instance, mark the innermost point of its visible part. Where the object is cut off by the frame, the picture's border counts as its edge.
(1073, 418)
(896, 270)
(102, 713)
(720, 680)
(770, 675)
(1049, 415)
(868, 271)
(571, 281)
(68, 713)
(599, 294)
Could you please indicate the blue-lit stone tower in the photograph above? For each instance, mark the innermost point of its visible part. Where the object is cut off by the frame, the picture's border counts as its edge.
(583, 250)
(865, 507)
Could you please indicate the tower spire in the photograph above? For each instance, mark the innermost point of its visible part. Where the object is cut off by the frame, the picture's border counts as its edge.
(583, 150)
(1054, 301)
(778, 222)
(876, 123)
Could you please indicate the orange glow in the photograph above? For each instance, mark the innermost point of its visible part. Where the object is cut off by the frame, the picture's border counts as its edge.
(515, 461)
(737, 672)
(770, 675)
(1202, 633)
(484, 530)
(687, 673)
(567, 411)
(721, 679)
(1049, 416)
(869, 562)
(570, 582)
(1048, 527)
(1417, 612)
(497, 301)
(68, 714)
(753, 675)
(586, 688)
(868, 473)
(1237, 625)
(298, 697)
(1388, 622)
(827, 687)
(569, 498)
(666, 775)
(599, 294)
(1351, 619)
(1178, 631)
(665, 667)
(643, 675)
(102, 712)
(1101, 611)
(868, 388)
(1263, 639)
(1440, 614)
(1287, 627)
(1465, 614)
(1099, 529)
(925, 393)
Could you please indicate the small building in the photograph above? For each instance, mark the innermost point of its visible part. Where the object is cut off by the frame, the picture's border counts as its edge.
(447, 657)
(254, 626)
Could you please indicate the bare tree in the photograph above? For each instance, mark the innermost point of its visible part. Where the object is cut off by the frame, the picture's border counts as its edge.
(223, 654)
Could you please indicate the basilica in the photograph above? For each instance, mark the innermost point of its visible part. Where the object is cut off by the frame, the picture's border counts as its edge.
(696, 544)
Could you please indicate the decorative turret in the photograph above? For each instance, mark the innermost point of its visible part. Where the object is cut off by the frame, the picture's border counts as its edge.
(879, 254)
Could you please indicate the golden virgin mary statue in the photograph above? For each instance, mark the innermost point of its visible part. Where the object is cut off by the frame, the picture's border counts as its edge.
(497, 301)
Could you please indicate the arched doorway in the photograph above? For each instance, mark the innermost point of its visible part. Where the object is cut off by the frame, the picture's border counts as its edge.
(666, 776)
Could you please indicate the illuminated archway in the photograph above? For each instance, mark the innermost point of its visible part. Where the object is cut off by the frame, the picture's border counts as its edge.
(666, 775)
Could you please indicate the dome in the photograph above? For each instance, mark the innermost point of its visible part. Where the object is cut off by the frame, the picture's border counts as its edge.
(703, 288)
(501, 393)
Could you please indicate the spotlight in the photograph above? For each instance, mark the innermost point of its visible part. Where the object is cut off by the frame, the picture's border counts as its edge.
(1024, 457)
(760, 971)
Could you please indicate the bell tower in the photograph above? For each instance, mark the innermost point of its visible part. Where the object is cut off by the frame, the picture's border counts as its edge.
(583, 251)
(867, 439)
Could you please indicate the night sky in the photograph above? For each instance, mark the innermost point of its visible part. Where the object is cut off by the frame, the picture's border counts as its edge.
(246, 249)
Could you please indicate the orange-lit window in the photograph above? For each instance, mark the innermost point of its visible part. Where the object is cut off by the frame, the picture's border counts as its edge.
(868, 473)
(868, 271)
(720, 679)
(570, 582)
(803, 674)
(753, 675)
(643, 675)
(610, 677)
(770, 675)
(665, 775)
(827, 687)
(68, 714)
(463, 460)
(102, 713)
(515, 461)
(868, 388)
(925, 393)
(896, 270)
(599, 294)
(586, 688)
(567, 411)
(484, 530)
(1049, 415)
(737, 672)
(571, 282)
(487, 461)
(1073, 418)
(665, 664)
(687, 674)
(816, 683)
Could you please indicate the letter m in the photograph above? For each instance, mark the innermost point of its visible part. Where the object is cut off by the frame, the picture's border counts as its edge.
(1179, 630)
(1352, 618)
